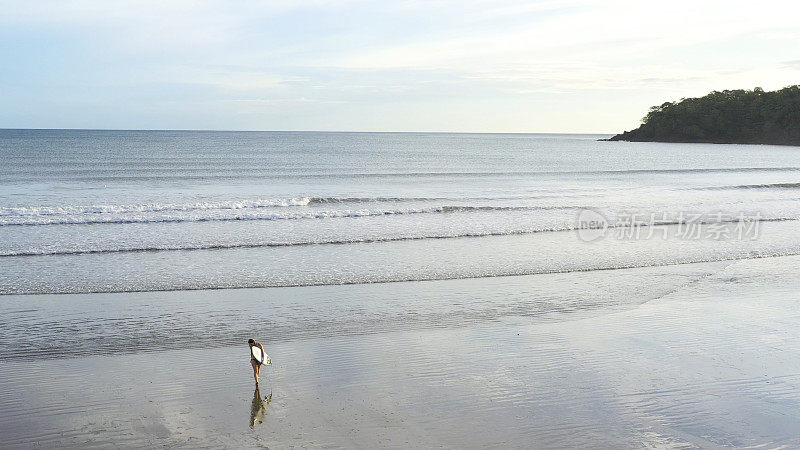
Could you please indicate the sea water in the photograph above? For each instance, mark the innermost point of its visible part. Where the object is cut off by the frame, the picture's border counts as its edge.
(117, 211)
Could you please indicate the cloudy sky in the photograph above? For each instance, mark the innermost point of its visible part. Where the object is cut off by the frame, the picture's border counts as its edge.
(436, 65)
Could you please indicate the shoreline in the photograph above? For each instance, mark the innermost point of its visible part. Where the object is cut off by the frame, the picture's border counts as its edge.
(90, 324)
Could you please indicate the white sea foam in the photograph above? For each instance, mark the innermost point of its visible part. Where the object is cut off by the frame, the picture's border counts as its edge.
(28, 211)
(231, 211)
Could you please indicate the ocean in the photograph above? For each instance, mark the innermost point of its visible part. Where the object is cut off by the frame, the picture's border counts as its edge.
(121, 211)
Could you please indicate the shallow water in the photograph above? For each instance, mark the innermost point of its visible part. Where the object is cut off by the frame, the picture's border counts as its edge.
(95, 324)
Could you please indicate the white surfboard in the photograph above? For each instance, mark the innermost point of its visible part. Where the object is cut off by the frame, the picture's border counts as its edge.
(259, 356)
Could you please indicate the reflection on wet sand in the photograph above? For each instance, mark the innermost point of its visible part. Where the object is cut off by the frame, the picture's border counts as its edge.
(259, 407)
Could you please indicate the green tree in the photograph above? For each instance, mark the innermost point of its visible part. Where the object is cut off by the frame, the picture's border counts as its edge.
(731, 116)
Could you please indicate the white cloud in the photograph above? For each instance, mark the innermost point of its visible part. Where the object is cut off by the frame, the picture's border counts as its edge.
(485, 53)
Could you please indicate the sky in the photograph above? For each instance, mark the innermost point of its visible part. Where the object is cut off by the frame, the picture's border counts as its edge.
(436, 65)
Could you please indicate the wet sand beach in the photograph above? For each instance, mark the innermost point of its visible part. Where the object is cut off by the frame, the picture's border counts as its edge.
(712, 360)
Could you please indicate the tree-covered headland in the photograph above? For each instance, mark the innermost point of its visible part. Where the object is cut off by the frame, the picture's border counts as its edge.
(738, 117)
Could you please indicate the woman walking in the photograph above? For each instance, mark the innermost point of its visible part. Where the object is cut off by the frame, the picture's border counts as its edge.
(257, 355)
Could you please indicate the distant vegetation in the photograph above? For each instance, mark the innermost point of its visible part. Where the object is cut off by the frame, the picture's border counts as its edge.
(740, 117)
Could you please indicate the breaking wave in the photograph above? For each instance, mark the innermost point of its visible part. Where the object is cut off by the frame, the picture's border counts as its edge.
(221, 212)
(752, 186)
(362, 240)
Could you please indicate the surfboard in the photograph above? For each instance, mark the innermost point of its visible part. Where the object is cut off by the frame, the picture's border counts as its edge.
(259, 356)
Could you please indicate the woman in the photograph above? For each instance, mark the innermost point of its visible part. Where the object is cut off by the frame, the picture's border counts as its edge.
(253, 362)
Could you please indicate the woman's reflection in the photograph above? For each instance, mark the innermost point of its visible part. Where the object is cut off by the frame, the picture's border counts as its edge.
(259, 407)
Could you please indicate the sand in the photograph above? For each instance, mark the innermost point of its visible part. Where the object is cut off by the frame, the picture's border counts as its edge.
(714, 362)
